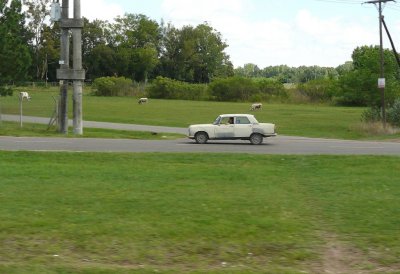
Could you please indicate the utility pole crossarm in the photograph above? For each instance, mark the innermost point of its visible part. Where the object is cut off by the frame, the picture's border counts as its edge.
(378, 1)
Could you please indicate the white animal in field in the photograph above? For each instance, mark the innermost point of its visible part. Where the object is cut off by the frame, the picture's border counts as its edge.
(143, 100)
(24, 95)
(256, 106)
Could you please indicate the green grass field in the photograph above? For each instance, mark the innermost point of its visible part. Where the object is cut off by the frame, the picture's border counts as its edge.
(187, 213)
(300, 120)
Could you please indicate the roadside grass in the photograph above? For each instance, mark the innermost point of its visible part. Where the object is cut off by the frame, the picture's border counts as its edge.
(175, 213)
(300, 120)
(40, 130)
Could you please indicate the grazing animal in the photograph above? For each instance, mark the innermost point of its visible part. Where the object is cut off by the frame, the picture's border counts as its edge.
(256, 106)
(143, 100)
(24, 95)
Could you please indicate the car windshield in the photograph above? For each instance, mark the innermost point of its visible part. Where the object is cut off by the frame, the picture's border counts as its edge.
(216, 122)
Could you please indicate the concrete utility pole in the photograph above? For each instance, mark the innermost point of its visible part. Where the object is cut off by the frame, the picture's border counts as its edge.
(77, 65)
(64, 65)
(381, 80)
(65, 73)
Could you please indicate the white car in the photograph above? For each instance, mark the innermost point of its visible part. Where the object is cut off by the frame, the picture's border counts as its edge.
(232, 127)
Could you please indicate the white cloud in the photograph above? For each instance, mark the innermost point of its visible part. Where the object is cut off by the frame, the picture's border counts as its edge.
(330, 41)
(247, 40)
(192, 11)
(306, 39)
(99, 9)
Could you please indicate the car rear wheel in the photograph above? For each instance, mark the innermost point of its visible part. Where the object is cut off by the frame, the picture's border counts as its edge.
(256, 139)
(201, 137)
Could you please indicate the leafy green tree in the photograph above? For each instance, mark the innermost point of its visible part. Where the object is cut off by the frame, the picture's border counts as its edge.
(145, 60)
(37, 13)
(285, 74)
(172, 61)
(136, 39)
(103, 62)
(208, 53)
(15, 58)
(135, 31)
(95, 34)
(248, 70)
(194, 54)
(359, 86)
(305, 74)
(49, 52)
(345, 68)
(282, 73)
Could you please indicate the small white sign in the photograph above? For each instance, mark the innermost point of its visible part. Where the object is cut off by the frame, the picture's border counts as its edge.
(55, 12)
(61, 62)
(381, 83)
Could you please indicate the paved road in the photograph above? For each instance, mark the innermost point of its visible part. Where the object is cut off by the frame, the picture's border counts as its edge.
(275, 145)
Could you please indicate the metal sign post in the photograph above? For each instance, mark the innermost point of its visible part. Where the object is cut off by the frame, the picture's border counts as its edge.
(20, 110)
(1, 118)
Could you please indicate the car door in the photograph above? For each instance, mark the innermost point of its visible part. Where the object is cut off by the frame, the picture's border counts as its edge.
(243, 127)
(225, 129)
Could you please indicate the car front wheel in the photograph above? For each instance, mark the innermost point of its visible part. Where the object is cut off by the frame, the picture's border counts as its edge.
(256, 139)
(201, 137)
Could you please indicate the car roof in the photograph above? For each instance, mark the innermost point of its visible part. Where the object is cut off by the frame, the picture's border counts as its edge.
(230, 115)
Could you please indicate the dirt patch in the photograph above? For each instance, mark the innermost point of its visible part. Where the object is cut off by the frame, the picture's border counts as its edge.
(339, 257)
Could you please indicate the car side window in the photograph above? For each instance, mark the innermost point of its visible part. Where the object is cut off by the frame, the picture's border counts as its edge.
(242, 120)
(226, 121)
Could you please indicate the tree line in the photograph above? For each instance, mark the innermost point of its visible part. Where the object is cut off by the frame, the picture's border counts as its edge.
(137, 48)
(132, 46)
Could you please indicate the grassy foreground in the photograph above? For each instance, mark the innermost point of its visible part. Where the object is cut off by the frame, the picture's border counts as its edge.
(175, 213)
(299, 120)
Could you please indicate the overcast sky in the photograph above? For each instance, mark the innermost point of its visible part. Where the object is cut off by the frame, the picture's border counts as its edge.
(270, 32)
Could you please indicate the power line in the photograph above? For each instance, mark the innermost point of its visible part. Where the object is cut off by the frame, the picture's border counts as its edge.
(393, 6)
(349, 2)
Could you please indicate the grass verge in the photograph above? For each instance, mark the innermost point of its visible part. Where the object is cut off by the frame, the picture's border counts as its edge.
(174, 213)
(39, 130)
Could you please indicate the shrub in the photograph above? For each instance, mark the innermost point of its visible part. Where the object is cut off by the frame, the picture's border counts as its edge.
(371, 115)
(393, 114)
(247, 89)
(374, 114)
(6, 91)
(270, 89)
(233, 89)
(113, 86)
(165, 88)
(320, 90)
